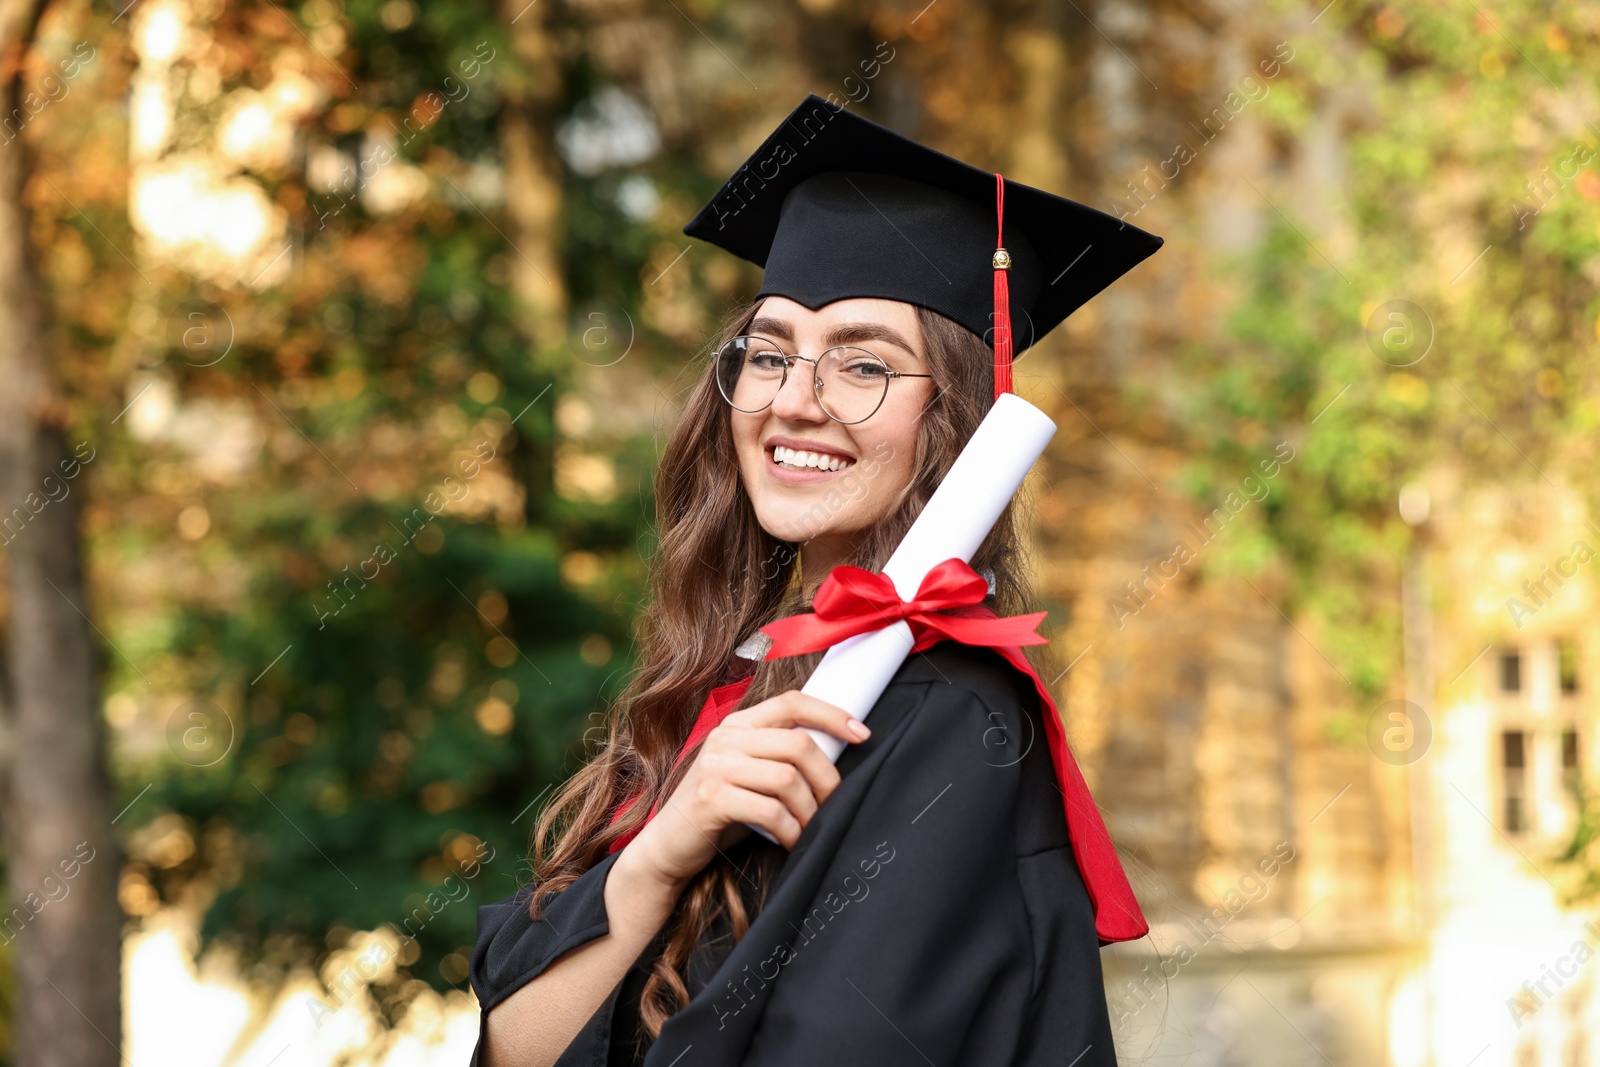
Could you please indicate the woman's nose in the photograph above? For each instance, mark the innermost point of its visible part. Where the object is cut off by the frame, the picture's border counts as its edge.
(797, 398)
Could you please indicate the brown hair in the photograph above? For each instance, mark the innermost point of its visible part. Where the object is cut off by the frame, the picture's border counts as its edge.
(716, 577)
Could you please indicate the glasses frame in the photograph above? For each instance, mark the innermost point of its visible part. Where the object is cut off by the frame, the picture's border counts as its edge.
(816, 379)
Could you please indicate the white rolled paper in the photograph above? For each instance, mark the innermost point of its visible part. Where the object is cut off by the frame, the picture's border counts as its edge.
(991, 468)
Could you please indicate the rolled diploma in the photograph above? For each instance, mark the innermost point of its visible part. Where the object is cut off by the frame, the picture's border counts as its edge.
(985, 476)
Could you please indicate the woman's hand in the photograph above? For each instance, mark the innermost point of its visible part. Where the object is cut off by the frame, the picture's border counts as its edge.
(752, 768)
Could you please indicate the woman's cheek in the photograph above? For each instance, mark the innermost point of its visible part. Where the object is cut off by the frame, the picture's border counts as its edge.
(885, 484)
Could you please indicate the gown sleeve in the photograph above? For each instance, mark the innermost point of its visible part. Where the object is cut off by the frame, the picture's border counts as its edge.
(899, 931)
(512, 949)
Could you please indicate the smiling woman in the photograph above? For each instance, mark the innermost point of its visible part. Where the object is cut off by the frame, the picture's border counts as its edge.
(830, 410)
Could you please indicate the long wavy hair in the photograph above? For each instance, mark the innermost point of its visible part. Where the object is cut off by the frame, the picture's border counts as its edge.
(715, 578)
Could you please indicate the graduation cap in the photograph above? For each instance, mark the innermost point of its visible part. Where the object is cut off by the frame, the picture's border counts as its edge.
(836, 206)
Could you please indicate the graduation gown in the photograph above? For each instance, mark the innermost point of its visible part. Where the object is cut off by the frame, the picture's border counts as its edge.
(934, 910)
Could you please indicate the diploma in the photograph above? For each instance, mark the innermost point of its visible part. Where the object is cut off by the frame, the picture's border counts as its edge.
(985, 476)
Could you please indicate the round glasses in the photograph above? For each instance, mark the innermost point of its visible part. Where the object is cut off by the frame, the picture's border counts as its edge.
(850, 383)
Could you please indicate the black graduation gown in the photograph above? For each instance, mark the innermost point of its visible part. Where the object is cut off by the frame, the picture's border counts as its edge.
(931, 913)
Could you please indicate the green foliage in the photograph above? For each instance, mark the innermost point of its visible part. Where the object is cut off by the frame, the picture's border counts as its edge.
(393, 659)
(1454, 125)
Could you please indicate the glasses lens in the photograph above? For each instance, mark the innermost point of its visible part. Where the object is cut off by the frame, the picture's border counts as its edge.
(852, 383)
(749, 372)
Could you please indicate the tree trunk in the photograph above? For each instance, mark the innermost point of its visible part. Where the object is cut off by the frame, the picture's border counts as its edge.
(532, 91)
(64, 929)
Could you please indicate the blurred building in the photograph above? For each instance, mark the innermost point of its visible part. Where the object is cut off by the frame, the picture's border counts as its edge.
(1342, 885)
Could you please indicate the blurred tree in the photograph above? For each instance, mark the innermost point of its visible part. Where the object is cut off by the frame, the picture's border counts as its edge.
(408, 643)
(63, 928)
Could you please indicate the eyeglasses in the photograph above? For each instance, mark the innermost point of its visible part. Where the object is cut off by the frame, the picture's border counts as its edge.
(850, 383)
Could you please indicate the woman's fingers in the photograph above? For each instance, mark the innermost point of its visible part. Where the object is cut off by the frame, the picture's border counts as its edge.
(786, 744)
(756, 768)
(794, 708)
(774, 778)
(758, 809)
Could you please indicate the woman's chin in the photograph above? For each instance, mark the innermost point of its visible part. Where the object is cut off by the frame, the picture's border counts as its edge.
(802, 526)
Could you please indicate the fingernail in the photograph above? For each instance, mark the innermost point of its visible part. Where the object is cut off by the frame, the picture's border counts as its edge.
(859, 728)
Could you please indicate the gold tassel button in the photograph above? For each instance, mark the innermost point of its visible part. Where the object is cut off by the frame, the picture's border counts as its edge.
(1002, 259)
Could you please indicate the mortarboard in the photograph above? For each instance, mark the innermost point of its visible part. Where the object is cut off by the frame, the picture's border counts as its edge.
(834, 206)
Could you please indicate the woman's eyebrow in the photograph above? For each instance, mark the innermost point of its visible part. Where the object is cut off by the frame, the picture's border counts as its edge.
(867, 331)
(776, 327)
(844, 333)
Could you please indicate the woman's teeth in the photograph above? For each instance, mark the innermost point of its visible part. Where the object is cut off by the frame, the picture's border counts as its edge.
(794, 459)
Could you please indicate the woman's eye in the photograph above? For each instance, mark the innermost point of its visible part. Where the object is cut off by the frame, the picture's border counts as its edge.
(864, 369)
(766, 360)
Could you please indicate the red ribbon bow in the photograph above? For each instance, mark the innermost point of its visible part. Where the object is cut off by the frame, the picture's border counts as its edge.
(854, 601)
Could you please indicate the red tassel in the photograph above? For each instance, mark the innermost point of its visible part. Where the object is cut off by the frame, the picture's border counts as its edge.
(1002, 295)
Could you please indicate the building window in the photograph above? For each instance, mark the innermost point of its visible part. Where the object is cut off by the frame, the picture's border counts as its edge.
(1511, 671)
(1567, 653)
(1514, 780)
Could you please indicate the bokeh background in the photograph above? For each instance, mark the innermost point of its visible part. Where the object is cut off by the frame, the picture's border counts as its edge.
(340, 340)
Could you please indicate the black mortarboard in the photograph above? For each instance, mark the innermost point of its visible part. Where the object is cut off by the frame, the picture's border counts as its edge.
(835, 206)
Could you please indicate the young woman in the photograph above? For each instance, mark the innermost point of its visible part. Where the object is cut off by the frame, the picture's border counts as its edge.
(940, 894)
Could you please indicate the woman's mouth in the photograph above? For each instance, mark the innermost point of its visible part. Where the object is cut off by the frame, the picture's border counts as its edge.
(797, 466)
(795, 459)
